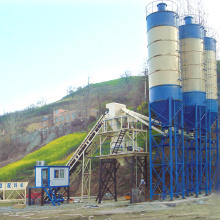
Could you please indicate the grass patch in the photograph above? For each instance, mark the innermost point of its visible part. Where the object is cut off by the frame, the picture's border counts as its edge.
(51, 153)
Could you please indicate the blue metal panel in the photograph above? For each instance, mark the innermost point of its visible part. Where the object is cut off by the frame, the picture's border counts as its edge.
(159, 96)
(193, 98)
(188, 20)
(161, 18)
(160, 93)
(212, 105)
(190, 30)
(161, 6)
(210, 43)
(190, 100)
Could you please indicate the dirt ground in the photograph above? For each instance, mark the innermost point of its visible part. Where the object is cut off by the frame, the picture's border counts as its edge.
(190, 208)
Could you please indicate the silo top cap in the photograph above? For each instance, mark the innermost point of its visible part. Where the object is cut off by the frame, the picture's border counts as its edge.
(188, 20)
(161, 6)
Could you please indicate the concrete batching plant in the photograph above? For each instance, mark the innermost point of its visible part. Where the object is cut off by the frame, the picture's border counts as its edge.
(183, 101)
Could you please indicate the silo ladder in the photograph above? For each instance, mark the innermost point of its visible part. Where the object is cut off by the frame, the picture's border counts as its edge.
(118, 142)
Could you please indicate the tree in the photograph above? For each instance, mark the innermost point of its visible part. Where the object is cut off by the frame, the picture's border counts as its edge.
(126, 77)
(70, 90)
(83, 102)
(13, 124)
(146, 87)
(195, 9)
(41, 102)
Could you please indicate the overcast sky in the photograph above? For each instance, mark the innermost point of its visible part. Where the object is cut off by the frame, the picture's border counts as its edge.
(48, 45)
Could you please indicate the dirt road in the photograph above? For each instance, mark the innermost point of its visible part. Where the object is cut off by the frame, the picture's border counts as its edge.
(190, 208)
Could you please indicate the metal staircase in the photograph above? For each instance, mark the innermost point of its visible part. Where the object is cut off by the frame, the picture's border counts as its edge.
(77, 156)
(53, 195)
(118, 142)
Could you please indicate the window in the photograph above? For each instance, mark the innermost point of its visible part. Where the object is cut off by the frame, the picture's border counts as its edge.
(56, 173)
(44, 173)
(67, 117)
(56, 120)
(59, 173)
(73, 115)
(62, 173)
(62, 118)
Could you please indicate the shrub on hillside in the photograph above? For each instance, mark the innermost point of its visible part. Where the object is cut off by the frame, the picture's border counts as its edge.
(53, 151)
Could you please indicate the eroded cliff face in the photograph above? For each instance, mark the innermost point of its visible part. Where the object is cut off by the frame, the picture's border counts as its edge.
(21, 145)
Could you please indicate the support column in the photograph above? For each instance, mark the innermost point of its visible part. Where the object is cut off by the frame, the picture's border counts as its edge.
(132, 176)
(115, 182)
(206, 155)
(196, 146)
(100, 183)
(171, 149)
(217, 159)
(68, 194)
(183, 153)
(146, 171)
(210, 150)
(29, 196)
(150, 152)
(42, 197)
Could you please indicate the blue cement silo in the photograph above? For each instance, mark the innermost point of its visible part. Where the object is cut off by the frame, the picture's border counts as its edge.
(211, 77)
(165, 101)
(163, 62)
(212, 114)
(192, 68)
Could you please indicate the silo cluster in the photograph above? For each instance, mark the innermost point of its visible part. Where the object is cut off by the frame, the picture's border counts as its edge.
(183, 102)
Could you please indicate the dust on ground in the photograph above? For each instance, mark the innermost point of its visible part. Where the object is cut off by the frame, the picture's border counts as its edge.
(204, 207)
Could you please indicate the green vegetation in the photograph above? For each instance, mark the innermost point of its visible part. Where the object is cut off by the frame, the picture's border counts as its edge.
(60, 162)
(116, 86)
(52, 154)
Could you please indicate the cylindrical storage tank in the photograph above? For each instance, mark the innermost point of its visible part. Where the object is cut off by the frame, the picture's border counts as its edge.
(192, 69)
(163, 60)
(211, 77)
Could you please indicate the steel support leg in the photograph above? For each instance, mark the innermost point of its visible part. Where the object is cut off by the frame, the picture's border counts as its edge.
(29, 196)
(196, 142)
(171, 149)
(100, 183)
(42, 197)
(150, 151)
(115, 176)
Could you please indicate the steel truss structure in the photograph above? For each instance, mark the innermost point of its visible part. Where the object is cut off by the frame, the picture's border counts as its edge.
(108, 173)
(213, 153)
(49, 194)
(196, 152)
(184, 161)
(167, 176)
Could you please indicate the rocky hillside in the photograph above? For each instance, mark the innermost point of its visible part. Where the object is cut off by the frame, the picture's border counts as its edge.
(16, 142)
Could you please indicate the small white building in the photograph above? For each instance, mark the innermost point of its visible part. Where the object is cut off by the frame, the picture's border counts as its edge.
(52, 176)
